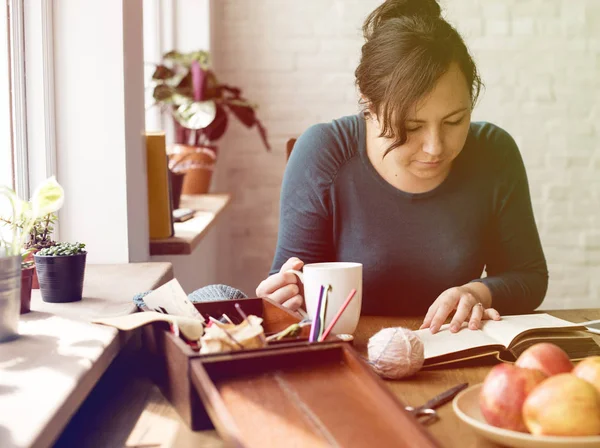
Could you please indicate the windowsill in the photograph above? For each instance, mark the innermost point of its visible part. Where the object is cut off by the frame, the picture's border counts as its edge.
(59, 356)
(188, 234)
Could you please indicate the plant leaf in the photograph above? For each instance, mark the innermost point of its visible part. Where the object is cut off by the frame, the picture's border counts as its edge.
(195, 114)
(235, 92)
(217, 128)
(263, 134)
(174, 56)
(198, 78)
(47, 198)
(163, 93)
(243, 113)
(162, 72)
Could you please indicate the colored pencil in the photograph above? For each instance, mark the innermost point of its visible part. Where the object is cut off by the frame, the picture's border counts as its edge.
(337, 316)
(323, 313)
(314, 329)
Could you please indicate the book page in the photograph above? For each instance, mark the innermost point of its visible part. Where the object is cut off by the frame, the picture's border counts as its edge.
(506, 330)
(171, 299)
(445, 342)
(578, 346)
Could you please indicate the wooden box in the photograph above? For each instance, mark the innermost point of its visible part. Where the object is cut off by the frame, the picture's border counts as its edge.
(292, 393)
(317, 395)
(169, 357)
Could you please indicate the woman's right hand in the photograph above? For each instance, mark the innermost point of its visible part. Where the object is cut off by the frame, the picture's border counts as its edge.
(284, 287)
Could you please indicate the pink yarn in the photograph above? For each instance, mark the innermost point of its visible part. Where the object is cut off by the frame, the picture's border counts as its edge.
(396, 353)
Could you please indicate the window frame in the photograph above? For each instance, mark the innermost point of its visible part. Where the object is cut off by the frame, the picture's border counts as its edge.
(40, 111)
(17, 97)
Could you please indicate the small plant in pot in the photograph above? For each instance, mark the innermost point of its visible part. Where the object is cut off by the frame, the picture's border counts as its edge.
(40, 237)
(17, 217)
(61, 270)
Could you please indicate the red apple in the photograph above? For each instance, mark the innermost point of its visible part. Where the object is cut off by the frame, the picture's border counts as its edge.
(547, 357)
(563, 405)
(589, 370)
(503, 393)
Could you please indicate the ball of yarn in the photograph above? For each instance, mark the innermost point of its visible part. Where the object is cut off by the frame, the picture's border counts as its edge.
(396, 353)
(212, 293)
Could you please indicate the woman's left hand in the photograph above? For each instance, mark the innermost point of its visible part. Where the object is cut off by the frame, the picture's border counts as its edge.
(467, 306)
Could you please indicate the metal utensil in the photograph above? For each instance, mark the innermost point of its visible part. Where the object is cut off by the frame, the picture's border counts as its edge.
(426, 413)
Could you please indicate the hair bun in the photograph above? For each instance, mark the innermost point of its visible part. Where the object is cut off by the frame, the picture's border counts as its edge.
(395, 9)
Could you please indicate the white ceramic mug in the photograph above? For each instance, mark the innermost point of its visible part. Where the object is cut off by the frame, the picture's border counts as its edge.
(342, 277)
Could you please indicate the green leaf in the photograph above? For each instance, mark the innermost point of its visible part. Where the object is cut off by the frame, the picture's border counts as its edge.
(63, 249)
(47, 198)
(195, 114)
(163, 93)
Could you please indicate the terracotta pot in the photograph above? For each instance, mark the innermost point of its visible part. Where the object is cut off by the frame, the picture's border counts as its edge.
(26, 280)
(34, 281)
(176, 180)
(198, 163)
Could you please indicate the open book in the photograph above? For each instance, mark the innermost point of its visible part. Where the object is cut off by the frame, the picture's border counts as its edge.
(506, 339)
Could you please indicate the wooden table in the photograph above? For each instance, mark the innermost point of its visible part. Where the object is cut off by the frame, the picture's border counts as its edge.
(139, 416)
(51, 368)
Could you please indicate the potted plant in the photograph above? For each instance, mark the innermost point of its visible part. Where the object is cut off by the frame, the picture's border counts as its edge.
(185, 87)
(27, 274)
(40, 236)
(47, 198)
(61, 270)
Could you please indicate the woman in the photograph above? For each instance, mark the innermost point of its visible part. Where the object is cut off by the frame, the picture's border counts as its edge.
(411, 188)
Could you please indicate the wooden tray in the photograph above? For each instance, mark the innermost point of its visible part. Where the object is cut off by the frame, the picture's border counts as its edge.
(317, 395)
(169, 357)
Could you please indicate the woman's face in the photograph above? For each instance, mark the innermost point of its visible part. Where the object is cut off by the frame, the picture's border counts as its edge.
(437, 128)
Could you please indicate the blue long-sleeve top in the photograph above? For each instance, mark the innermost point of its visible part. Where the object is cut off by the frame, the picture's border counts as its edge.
(336, 207)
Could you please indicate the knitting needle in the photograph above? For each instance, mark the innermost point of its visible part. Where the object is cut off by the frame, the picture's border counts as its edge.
(228, 334)
(261, 335)
(337, 316)
(314, 329)
(323, 313)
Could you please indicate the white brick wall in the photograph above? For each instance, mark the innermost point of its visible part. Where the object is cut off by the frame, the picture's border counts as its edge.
(539, 59)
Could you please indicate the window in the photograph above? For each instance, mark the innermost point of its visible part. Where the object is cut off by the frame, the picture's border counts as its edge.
(6, 153)
(14, 167)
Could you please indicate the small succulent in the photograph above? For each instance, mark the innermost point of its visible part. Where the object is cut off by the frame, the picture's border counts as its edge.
(63, 249)
(40, 235)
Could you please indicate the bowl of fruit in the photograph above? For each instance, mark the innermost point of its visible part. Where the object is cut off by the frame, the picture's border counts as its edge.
(542, 400)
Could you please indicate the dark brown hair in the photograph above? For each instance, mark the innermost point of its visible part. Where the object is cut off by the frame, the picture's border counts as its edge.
(408, 47)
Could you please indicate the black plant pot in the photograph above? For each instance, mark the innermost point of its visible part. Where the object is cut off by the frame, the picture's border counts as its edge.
(176, 187)
(60, 277)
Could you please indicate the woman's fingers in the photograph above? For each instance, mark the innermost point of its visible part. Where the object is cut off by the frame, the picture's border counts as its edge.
(292, 263)
(440, 316)
(294, 303)
(282, 278)
(429, 316)
(491, 314)
(274, 282)
(462, 312)
(285, 293)
(476, 316)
